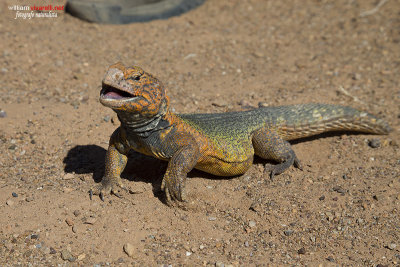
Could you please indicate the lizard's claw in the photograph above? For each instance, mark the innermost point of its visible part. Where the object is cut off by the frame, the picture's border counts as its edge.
(174, 191)
(107, 186)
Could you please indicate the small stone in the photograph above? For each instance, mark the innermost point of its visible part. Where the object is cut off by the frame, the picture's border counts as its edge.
(52, 251)
(202, 247)
(301, 251)
(330, 258)
(188, 253)
(34, 236)
(329, 215)
(14, 194)
(67, 256)
(129, 249)
(69, 221)
(339, 189)
(81, 256)
(252, 224)
(3, 114)
(374, 143)
(29, 199)
(288, 232)
(77, 213)
(212, 218)
(106, 118)
(74, 229)
(90, 220)
(10, 202)
(12, 147)
(219, 264)
(392, 246)
(321, 198)
(68, 176)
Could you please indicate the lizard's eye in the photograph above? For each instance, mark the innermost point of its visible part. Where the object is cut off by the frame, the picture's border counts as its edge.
(135, 77)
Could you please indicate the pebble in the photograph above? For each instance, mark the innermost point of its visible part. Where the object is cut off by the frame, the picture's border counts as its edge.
(29, 199)
(330, 258)
(212, 218)
(81, 256)
(3, 114)
(252, 223)
(10, 202)
(288, 232)
(219, 264)
(106, 118)
(392, 246)
(14, 194)
(329, 215)
(67, 256)
(301, 251)
(339, 189)
(321, 198)
(129, 249)
(77, 213)
(90, 220)
(188, 253)
(34, 236)
(68, 176)
(374, 143)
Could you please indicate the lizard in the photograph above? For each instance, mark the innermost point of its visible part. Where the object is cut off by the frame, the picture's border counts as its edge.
(222, 144)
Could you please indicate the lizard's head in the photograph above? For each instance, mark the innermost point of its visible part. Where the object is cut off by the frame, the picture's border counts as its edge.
(133, 90)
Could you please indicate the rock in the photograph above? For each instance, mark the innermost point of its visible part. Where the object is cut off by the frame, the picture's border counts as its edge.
(330, 258)
(301, 251)
(374, 143)
(14, 194)
(252, 224)
(3, 114)
(129, 249)
(68, 176)
(288, 232)
(106, 118)
(10, 202)
(339, 189)
(67, 256)
(90, 220)
(392, 246)
(77, 213)
(212, 218)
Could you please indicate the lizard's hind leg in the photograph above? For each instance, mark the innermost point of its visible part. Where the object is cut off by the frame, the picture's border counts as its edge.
(269, 145)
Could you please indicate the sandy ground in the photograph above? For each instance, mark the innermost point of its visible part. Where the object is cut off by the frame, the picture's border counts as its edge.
(342, 209)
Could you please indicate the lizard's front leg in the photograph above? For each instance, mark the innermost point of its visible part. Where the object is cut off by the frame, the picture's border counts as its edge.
(116, 159)
(182, 162)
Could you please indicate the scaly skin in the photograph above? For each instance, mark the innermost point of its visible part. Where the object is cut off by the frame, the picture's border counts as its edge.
(220, 143)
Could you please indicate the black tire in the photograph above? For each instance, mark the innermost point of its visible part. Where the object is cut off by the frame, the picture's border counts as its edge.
(128, 11)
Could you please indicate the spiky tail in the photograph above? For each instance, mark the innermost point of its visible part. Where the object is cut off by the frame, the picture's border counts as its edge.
(299, 121)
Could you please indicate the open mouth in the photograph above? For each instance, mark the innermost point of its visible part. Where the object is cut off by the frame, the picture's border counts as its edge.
(109, 92)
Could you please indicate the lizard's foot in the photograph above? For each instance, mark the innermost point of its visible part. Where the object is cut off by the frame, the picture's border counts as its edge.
(280, 168)
(108, 186)
(174, 191)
